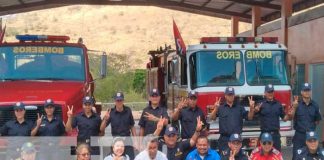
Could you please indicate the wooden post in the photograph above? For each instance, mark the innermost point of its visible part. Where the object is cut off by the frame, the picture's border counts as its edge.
(286, 12)
(256, 20)
(234, 25)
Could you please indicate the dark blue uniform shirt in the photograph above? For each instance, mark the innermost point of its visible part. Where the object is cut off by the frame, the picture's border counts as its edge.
(231, 119)
(306, 116)
(87, 126)
(14, 128)
(54, 127)
(179, 152)
(225, 155)
(304, 154)
(121, 122)
(269, 114)
(188, 119)
(150, 126)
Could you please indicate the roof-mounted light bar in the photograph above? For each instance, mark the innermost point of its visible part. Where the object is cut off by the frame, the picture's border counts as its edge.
(42, 38)
(216, 40)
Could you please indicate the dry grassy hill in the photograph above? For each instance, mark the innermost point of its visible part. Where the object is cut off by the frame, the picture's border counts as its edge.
(118, 29)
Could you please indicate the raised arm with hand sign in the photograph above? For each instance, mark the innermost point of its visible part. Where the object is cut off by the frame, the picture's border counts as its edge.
(251, 103)
(70, 111)
(68, 125)
(215, 108)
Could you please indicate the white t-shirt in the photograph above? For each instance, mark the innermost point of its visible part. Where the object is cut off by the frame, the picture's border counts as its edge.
(111, 157)
(145, 156)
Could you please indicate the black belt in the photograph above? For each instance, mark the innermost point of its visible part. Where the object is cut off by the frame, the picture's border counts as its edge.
(225, 135)
(271, 132)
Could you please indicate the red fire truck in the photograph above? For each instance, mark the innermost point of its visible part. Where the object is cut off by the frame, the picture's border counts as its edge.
(245, 63)
(38, 67)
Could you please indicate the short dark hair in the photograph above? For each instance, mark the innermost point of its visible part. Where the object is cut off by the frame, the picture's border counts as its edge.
(203, 137)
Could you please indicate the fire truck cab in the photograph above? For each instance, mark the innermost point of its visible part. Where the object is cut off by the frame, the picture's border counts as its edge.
(245, 63)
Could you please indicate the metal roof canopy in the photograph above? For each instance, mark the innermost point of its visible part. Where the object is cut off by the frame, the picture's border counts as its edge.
(216, 8)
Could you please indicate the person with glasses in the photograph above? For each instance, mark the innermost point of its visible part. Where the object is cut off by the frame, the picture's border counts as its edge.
(151, 115)
(122, 123)
(169, 144)
(231, 115)
(187, 113)
(306, 116)
(266, 151)
(83, 152)
(312, 150)
(270, 111)
(235, 151)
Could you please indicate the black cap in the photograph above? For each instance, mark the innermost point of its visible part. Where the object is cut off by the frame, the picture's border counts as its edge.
(49, 102)
(229, 91)
(306, 87)
(88, 99)
(235, 137)
(119, 96)
(170, 130)
(192, 94)
(154, 92)
(269, 88)
(311, 135)
(19, 105)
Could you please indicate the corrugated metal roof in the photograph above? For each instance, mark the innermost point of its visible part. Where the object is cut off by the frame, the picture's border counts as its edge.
(270, 9)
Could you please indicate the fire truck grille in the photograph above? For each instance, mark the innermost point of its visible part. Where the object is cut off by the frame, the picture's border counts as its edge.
(244, 101)
(7, 113)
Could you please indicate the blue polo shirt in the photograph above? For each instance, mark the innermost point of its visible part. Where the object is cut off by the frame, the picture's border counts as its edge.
(150, 126)
(270, 113)
(87, 126)
(306, 116)
(14, 128)
(211, 155)
(54, 127)
(188, 119)
(121, 122)
(231, 119)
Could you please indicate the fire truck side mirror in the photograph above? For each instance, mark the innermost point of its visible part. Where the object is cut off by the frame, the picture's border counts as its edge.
(173, 69)
(103, 65)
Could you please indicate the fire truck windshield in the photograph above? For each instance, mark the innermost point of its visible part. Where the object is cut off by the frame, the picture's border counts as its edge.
(265, 67)
(216, 68)
(41, 63)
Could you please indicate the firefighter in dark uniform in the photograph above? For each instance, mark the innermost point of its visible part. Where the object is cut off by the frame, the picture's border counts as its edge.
(187, 112)
(49, 125)
(87, 122)
(122, 123)
(306, 116)
(173, 147)
(270, 111)
(235, 151)
(151, 115)
(17, 127)
(231, 117)
(311, 151)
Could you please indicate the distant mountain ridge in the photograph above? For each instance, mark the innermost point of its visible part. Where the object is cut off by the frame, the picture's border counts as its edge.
(130, 30)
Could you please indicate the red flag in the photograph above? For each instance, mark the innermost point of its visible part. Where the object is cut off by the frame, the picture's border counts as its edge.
(2, 33)
(180, 45)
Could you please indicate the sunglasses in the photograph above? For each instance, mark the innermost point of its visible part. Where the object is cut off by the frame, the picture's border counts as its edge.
(266, 143)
